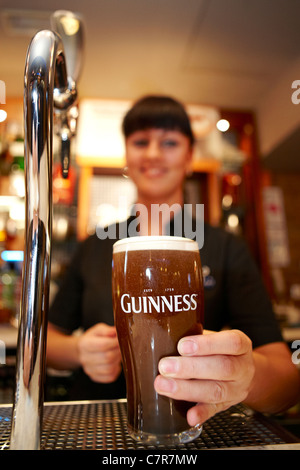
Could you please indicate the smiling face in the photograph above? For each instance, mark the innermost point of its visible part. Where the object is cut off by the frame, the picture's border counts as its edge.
(158, 161)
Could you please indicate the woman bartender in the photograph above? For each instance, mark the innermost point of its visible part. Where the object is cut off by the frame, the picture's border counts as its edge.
(248, 362)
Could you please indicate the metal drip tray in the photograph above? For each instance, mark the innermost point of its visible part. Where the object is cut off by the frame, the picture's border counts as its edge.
(101, 425)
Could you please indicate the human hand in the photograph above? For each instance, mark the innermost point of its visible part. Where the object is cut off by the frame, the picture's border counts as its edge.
(214, 370)
(99, 353)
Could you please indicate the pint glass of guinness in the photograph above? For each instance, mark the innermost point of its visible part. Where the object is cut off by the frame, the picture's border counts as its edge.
(158, 299)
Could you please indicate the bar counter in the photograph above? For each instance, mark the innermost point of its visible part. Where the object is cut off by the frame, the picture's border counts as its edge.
(101, 425)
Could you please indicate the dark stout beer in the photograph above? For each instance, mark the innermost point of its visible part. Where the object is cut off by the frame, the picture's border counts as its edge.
(158, 299)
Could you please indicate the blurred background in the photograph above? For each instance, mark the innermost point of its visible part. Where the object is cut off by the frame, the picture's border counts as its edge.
(235, 64)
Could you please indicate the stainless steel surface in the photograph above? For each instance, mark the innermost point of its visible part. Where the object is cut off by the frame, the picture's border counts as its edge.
(101, 425)
(46, 85)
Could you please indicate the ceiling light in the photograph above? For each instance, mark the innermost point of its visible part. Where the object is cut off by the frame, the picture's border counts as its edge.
(223, 125)
(3, 115)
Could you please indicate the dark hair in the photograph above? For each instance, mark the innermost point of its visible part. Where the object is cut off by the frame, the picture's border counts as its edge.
(158, 112)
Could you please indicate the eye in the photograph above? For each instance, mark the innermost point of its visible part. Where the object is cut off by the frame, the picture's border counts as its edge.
(140, 142)
(169, 143)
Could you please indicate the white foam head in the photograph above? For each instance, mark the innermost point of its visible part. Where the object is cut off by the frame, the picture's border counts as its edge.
(155, 243)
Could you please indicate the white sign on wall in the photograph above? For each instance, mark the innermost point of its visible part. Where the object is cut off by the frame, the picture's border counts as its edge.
(99, 128)
(276, 227)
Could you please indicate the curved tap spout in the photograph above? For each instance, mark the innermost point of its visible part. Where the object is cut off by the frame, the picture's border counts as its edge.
(45, 70)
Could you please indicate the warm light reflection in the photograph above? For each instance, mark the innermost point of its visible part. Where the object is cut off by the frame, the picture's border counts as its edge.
(17, 211)
(227, 201)
(70, 25)
(233, 221)
(223, 125)
(17, 183)
(3, 115)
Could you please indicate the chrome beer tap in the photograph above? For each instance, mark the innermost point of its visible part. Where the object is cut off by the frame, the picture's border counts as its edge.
(46, 87)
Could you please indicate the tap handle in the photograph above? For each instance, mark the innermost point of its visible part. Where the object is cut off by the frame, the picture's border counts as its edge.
(69, 26)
